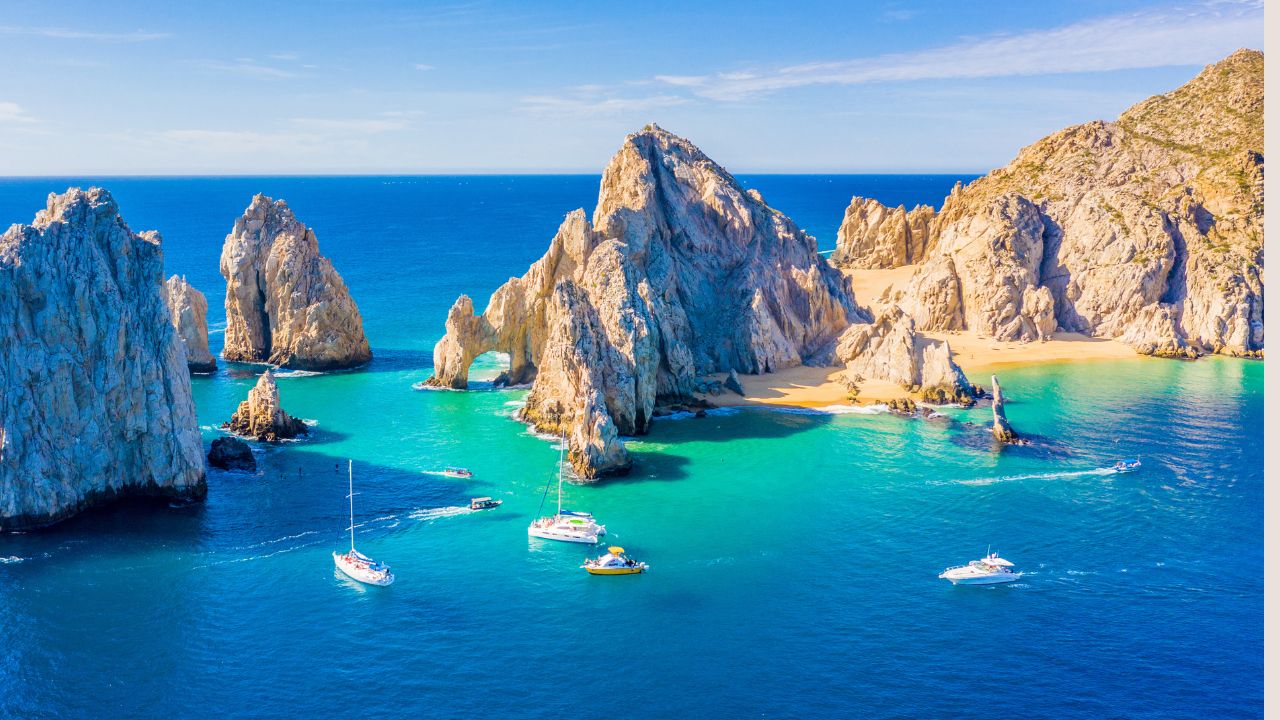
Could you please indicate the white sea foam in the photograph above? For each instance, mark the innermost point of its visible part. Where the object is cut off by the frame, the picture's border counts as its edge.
(514, 403)
(10, 560)
(287, 374)
(833, 410)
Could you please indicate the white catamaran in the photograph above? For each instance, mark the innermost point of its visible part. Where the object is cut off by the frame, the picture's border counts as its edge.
(354, 563)
(566, 525)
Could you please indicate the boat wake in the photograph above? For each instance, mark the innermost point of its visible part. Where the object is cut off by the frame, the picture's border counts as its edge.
(428, 514)
(1040, 476)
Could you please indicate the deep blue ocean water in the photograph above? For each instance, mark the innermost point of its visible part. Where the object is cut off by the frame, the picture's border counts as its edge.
(794, 554)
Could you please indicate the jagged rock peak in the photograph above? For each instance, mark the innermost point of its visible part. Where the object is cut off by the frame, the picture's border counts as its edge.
(97, 398)
(873, 236)
(1147, 229)
(681, 272)
(286, 305)
(188, 311)
(891, 350)
(260, 417)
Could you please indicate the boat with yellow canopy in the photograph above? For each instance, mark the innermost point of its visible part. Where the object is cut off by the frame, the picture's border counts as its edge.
(614, 563)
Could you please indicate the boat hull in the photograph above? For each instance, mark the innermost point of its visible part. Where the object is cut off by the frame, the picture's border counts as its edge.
(362, 574)
(636, 570)
(993, 579)
(586, 538)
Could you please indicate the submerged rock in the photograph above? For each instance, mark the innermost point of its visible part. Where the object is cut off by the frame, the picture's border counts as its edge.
(1147, 229)
(286, 305)
(261, 417)
(188, 310)
(1000, 427)
(96, 400)
(681, 273)
(228, 453)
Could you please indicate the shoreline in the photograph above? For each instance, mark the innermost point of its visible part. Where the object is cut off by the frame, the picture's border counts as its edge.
(821, 387)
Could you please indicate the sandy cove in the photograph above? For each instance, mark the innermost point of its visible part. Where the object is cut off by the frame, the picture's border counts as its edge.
(816, 387)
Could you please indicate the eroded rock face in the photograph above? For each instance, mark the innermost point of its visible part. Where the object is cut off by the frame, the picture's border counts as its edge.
(286, 305)
(1147, 229)
(680, 273)
(890, 349)
(187, 311)
(1000, 427)
(261, 417)
(874, 236)
(96, 400)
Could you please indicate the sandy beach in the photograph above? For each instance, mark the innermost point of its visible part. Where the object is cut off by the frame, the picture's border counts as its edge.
(817, 387)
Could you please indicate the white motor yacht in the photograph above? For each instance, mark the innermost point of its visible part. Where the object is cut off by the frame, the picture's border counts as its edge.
(990, 570)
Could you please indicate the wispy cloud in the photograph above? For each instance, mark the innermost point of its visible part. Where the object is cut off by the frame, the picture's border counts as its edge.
(351, 125)
(582, 105)
(249, 67)
(12, 112)
(69, 34)
(1183, 35)
(423, 67)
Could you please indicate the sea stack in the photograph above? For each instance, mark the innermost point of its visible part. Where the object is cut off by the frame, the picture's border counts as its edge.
(1147, 229)
(261, 417)
(286, 305)
(681, 272)
(1000, 427)
(188, 310)
(97, 398)
(230, 453)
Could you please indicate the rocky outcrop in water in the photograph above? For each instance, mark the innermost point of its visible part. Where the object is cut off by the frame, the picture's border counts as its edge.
(1000, 427)
(97, 398)
(261, 417)
(891, 350)
(286, 305)
(681, 272)
(874, 236)
(187, 311)
(228, 453)
(1147, 229)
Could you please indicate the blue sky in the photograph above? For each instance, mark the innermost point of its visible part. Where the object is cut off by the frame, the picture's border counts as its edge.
(95, 88)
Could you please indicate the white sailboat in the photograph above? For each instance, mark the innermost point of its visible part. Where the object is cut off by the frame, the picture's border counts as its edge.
(354, 563)
(566, 525)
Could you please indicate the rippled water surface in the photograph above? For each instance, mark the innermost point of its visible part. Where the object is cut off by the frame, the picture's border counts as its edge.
(794, 554)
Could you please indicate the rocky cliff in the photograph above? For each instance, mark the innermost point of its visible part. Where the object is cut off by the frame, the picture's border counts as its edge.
(680, 272)
(286, 305)
(891, 350)
(1147, 229)
(187, 311)
(260, 416)
(97, 398)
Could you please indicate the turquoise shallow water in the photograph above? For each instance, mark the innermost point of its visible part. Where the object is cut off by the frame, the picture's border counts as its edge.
(794, 554)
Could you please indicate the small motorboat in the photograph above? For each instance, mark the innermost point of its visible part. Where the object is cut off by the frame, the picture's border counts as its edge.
(1127, 466)
(484, 503)
(458, 472)
(355, 564)
(990, 570)
(615, 562)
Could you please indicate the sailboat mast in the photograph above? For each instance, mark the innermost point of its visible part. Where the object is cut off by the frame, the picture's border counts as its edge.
(351, 506)
(560, 484)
